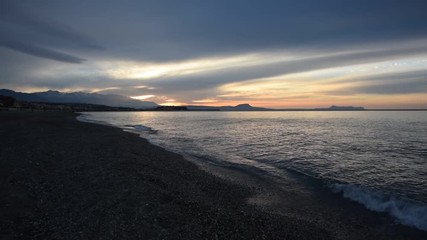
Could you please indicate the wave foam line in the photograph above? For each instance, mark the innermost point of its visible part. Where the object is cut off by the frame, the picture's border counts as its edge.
(85, 118)
(407, 212)
(142, 128)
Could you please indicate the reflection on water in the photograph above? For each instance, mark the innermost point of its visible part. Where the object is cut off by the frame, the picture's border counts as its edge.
(381, 152)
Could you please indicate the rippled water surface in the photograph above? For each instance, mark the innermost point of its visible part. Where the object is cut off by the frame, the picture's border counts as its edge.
(376, 158)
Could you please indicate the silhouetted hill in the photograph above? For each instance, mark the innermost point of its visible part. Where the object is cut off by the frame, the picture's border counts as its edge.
(243, 107)
(342, 108)
(240, 107)
(79, 97)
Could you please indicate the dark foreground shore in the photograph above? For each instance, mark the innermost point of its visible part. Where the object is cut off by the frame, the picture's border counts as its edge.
(64, 179)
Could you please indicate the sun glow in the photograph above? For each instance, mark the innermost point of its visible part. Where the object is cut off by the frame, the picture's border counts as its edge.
(174, 103)
(152, 70)
(208, 100)
(142, 97)
(148, 70)
(325, 86)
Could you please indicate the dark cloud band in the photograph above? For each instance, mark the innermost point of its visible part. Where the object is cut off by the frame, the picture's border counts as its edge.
(40, 52)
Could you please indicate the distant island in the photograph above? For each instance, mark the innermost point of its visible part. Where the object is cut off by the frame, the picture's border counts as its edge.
(341, 108)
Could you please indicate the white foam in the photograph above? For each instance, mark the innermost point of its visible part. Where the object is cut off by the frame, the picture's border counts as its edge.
(85, 118)
(142, 128)
(405, 211)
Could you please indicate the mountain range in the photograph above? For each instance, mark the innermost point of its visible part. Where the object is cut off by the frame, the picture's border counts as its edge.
(79, 97)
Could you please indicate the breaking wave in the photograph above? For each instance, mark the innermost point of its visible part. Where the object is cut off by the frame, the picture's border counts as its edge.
(407, 212)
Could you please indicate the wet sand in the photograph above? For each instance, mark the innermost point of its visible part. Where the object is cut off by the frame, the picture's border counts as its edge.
(64, 179)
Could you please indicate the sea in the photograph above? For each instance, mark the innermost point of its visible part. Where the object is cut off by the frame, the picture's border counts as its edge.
(375, 158)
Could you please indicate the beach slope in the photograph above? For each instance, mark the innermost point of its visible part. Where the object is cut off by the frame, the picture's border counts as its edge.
(64, 179)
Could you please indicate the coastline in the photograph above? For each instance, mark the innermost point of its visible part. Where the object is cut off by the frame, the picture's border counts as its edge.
(66, 179)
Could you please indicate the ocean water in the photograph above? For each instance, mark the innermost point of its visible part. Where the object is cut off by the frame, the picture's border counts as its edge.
(378, 159)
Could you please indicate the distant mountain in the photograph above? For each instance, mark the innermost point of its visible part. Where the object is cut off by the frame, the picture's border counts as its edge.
(25, 97)
(79, 97)
(240, 107)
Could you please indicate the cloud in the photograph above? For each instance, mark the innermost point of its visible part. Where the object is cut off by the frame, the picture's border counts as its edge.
(168, 30)
(282, 67)
(388, 88)
(193, 50)
(37, 35)
(173, 31)
(40, 52)
(264, 75)
(391, 83)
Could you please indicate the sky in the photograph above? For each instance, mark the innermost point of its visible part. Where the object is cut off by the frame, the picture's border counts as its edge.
(275, 53)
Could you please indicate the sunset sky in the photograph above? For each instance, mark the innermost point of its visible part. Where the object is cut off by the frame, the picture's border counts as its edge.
(280, 54)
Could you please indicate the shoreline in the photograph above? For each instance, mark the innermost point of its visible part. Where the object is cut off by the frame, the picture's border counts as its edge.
(68, 179)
